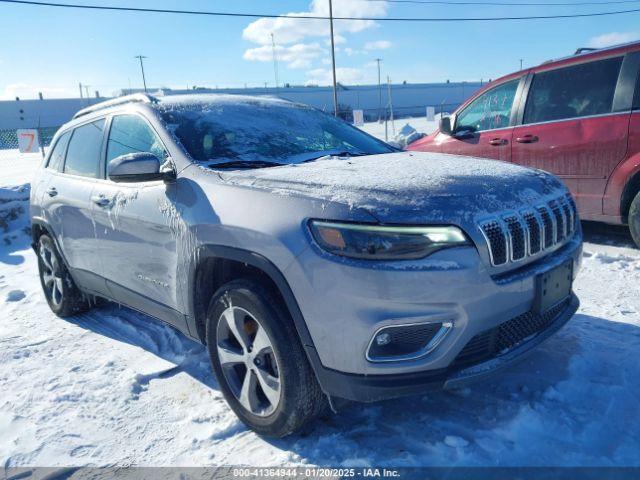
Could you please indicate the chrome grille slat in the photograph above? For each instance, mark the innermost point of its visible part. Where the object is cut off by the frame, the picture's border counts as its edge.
(514, 236)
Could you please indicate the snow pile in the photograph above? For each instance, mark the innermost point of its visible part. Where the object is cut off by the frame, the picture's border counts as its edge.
(114, 387)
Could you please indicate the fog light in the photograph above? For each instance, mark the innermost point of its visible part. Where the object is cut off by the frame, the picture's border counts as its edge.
(406, 342)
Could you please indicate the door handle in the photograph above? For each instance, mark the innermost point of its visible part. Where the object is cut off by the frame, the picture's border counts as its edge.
(527, 139)
(496, 142)
(101, 200)
(52, 192)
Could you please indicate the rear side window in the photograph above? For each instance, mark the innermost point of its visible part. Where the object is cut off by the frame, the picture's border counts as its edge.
(131, 134)
(490, 110)
(572, 92)
(636, 97)
(83, 154)
(57, 154)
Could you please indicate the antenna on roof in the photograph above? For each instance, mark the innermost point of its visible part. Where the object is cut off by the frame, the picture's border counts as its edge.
(136, 97)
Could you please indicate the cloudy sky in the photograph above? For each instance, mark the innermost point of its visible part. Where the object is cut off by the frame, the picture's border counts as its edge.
(51, 50)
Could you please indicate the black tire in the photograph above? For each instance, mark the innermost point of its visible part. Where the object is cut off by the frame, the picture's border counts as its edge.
(300, 396)
(51, 266)
(634, 220)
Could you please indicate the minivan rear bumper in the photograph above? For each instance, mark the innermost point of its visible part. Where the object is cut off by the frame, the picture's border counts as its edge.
(372, 388)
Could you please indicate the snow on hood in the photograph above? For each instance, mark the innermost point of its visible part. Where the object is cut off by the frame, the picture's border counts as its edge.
(408, 186)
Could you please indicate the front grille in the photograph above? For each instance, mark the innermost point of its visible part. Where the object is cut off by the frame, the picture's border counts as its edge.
(514, 236)
(497, 242)
(498, 340)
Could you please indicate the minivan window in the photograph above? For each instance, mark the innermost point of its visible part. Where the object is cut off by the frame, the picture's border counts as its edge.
(83, 154)
(636, 97)
(130, 134)
(490, 110)
(57, 154)
(572, 92)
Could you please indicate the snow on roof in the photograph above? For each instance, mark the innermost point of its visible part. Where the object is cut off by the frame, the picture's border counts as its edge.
(220, 99)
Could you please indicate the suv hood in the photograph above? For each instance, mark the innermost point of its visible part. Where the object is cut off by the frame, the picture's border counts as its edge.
(408, 187)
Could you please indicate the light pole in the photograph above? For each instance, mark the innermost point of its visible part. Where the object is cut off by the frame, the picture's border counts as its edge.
(333, 61)
(275, 60)
(520, 64)
(144, 81)
(379, 92)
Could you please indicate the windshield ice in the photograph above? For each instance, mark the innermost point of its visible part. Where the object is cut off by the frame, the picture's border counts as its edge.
(262, 130)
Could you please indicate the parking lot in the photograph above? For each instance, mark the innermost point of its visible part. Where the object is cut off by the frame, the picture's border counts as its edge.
(116, 387)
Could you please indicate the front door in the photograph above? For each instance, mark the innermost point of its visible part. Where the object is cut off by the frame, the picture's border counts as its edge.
(67, 200)
(483, 128)
(137, 230)
(570, 128)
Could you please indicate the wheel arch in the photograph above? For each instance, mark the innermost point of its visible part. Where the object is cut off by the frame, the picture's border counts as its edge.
(216, 265)
(629, 192)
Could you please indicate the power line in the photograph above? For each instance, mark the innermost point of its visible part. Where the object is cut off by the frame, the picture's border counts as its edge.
(518, 4)
(317, 17)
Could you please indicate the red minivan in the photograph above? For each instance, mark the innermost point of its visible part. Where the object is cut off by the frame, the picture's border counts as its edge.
(577, 117)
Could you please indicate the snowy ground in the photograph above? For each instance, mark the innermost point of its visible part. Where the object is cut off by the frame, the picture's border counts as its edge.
(113, 387)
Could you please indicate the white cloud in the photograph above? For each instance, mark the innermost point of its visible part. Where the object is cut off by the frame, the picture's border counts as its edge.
(613, 38)
(344, 75)
(299, 55)
(291, 30)
(26, 91)
(377, 45)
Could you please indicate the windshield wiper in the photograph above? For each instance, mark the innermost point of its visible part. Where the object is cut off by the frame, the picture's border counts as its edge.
(336, 153)
(244, 164)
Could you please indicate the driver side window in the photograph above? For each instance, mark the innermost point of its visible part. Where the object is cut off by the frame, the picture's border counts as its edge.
(490, 110)
(131, 134)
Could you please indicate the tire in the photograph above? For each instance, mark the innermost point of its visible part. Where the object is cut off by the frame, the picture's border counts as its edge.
(634, 220)
(62, 294)
(261, 366)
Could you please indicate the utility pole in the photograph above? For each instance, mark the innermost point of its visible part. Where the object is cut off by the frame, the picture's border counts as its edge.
(520, 64)
(333, 60)
(80, 88)
(379, 92)
(275, 60)
(144, 81)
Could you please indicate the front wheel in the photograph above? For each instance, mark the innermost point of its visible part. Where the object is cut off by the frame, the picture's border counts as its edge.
(259, 362)
(634, 220)
(61, 293)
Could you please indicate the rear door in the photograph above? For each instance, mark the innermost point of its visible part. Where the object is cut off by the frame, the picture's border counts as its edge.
(67, 201)
(484, 127)
(575, 126)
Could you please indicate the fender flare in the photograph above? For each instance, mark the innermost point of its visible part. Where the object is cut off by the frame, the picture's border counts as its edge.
(213, 251)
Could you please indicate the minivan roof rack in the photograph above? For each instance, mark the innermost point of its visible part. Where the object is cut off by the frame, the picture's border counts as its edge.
(136, 97)
(585, 50)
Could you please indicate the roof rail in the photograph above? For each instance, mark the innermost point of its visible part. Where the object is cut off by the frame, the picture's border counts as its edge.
(136, 97)
(585, 50)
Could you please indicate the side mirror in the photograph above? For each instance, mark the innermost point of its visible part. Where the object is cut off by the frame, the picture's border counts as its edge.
(445, 125)
(138, 167)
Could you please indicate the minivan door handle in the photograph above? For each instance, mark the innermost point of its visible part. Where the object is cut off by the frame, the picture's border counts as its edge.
(496, 142)
(52, 192)
(527, 139)
(101, 200)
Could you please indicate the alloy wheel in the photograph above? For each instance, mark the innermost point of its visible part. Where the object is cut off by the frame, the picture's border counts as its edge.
(51, 275)
(248, 361)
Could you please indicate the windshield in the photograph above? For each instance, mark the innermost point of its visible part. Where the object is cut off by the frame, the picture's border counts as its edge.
(263, 131)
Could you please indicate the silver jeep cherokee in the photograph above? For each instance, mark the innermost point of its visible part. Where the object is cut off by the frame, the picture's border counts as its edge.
(316, 262)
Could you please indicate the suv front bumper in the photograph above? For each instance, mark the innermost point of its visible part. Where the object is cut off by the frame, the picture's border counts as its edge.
(372, 388)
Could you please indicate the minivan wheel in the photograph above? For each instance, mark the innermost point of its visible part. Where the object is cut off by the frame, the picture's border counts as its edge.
(259, 362)
(634, 220)
(61, 293)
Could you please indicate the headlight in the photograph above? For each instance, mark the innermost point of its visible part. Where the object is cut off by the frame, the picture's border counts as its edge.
(378, 242)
